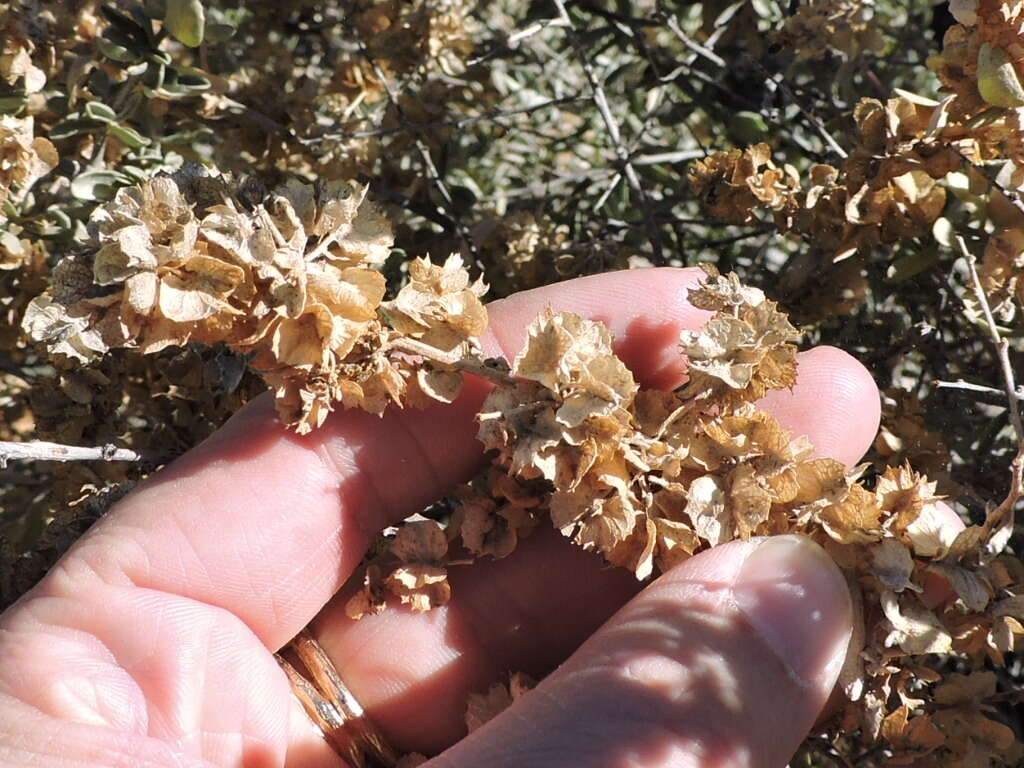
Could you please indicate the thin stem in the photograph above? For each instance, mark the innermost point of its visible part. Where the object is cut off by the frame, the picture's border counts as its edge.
(694, 46)
(813, 119)
(424, 152)
(517, 37)
(1001, 344)
(669, 157)
(1003, 514)
(968, 386)
(615, 136)
(38, 450)
(493, 114)
(494, 372)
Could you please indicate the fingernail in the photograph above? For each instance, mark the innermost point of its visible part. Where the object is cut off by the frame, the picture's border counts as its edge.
(796, 599)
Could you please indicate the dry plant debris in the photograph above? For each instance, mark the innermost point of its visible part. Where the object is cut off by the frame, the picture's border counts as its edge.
(909, 152)
(289, 282)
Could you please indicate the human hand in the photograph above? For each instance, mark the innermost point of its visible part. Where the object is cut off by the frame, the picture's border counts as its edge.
(151, 641)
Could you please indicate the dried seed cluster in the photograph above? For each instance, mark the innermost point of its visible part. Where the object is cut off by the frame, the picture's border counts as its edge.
(886, 191)
(24, 157)
(648, 478)
(821, 26)
(908, 153)
(286, 277)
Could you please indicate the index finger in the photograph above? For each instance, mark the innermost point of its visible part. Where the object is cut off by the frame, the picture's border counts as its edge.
(268, 525)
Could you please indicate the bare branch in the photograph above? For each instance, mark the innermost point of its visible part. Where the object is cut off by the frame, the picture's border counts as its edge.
(601, 101)
(411, 127)
(1001, 344)
(424, 152)
(254, 116)
(681, 156)
(38, 450)
(968, 386)
(495, 371)
(517, 37)
(812, 118)
(694, 46)
(1002, 515)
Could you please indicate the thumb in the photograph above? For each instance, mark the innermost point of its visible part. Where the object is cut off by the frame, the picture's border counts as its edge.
(726, 660)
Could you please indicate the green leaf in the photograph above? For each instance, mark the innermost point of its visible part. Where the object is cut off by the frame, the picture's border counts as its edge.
(154, 9)
(101, 112)
(12, 103)
(998, 83)
(75, 126)
(914, 263)
(60, 218)
(161, 57)
(123, 23)
(218, 33)
(53, 224)
(127, 135)
(188, 82)
(186, 21)
(97, 185)
(153, 80)
(187, 138)
(136, 174)
(137, 69)
(180, 85)
(116, 51)
(943, 232)
(748, 128)
(125, 40)
(9, 241)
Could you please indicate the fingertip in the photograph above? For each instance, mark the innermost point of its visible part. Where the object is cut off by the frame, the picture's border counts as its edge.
(797, 601)
(835, 403)
(645, 309)
(727, 659)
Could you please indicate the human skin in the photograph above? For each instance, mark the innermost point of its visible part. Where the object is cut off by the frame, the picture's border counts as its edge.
(151, 641)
